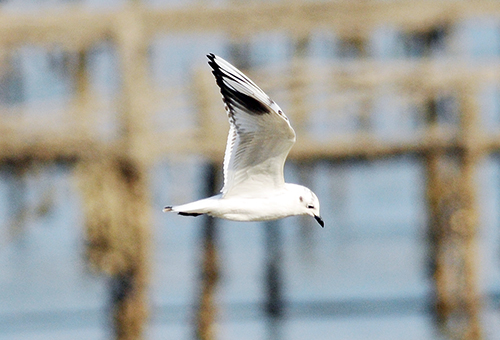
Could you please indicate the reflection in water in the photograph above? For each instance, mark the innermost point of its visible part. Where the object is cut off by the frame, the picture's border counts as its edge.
(274, 280)
(275, 328)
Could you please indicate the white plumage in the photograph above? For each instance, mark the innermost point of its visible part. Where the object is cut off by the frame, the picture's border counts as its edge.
(260, 137)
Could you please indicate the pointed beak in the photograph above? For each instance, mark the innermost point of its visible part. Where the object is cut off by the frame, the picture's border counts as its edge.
(319, 220)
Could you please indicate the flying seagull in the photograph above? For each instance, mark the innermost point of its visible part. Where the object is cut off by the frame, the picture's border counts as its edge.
(260, 137)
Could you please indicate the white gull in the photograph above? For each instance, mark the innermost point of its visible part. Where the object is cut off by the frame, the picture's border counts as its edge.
(260, 137)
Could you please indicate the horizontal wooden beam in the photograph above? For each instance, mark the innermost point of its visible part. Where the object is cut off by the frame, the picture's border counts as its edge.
(74, 146)
(75, 26)
(346, 18)
(48, 147)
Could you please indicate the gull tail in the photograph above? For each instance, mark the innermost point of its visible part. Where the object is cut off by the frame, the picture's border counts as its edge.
(169, 208)
(195, 208)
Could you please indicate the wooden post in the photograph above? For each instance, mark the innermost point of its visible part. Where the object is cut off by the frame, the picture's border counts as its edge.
(82, 114)
(274, 278)
(136, 93)
(356, 47)
(207, 311)
(16, 194)
(119, 237)
(299, 119)
(465, 222)
(274, 304)
(297, 85)
(129, 303)
(451, 192)
(116, 207)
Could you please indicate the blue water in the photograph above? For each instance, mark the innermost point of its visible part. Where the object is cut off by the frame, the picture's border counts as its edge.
(358, 260)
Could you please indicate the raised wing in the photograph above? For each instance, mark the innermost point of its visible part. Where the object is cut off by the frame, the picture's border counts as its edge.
(260, 135)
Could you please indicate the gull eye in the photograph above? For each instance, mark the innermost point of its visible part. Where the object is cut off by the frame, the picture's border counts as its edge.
(301, 198)
(310, 206)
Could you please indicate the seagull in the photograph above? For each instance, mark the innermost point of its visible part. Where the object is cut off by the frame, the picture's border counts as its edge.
(260, 137)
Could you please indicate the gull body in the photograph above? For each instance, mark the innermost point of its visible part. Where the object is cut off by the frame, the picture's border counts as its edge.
(260, 137)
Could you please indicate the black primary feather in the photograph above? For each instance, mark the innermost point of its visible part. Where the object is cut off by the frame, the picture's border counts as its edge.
(233, 98)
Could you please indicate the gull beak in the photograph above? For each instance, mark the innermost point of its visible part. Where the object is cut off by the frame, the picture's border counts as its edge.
(319, 220)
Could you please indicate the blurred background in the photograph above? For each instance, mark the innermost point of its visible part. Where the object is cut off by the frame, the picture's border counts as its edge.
(109, 111)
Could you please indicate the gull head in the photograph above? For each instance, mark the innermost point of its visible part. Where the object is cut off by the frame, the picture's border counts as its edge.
(307, 201)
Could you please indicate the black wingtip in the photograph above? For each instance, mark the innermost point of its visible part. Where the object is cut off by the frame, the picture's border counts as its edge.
(215, 67)
(233, 98)
(211, 60)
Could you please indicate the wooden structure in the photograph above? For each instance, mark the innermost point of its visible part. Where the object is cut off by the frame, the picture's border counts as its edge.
(113, 173)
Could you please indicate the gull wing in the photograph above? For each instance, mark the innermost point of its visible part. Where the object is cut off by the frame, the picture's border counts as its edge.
(260, 135)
